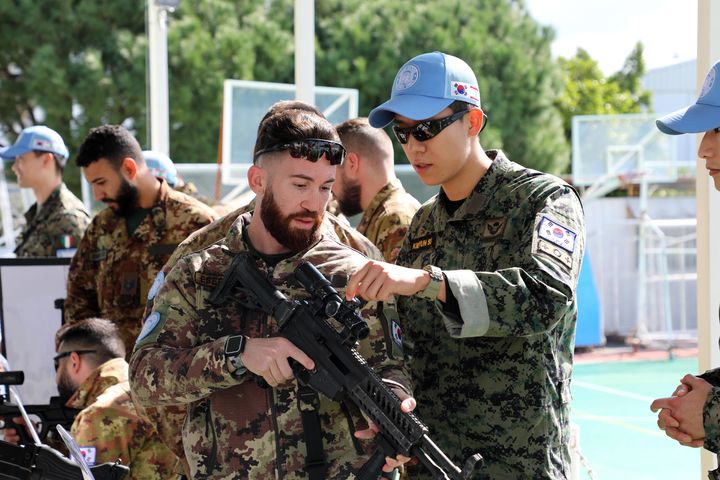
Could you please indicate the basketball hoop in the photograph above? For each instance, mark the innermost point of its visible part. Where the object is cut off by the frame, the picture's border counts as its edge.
(629, 179)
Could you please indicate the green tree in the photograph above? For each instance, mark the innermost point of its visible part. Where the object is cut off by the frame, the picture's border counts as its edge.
(363, 43)
(71, 64)
(588, 92)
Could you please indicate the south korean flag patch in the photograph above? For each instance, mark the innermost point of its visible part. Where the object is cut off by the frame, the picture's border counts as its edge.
(557, 234)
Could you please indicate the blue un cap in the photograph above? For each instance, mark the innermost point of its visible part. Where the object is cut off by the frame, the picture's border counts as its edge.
(701, 116)
(39, 138)
(161, 166)
(425, 86)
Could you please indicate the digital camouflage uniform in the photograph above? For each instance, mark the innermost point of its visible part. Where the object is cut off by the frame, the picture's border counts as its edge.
(108, 428)
(60, 223)
(496, 381)
(169, 419)
(711, 418)
(111, 272)
(236, 429)
(386, 219)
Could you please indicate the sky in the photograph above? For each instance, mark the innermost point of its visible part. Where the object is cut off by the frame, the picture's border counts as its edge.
(609, 29)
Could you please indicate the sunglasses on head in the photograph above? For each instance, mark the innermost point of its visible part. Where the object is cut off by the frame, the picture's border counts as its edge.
(56, 358)
(311, 149)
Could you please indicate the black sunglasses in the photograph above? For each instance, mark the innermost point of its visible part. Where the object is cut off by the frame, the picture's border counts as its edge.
(56, 358)
(424, 131)
(310, 148)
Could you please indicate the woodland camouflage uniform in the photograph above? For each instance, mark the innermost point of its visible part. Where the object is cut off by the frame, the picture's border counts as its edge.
(495, 379)
(58, 224)
(108, 427)
(185, 334)
(386, 219)
(111, 272)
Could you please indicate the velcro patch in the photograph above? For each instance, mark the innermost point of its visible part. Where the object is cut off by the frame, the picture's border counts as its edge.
(555, 252)
(493, 228)
(207, 279)
(422, 243)
(557, 234)
(393, 330)
(89, 454)
(98, 255)
(157, 283)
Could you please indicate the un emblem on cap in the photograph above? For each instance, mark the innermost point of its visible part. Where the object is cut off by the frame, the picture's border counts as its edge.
(407, 77)
(709, 82)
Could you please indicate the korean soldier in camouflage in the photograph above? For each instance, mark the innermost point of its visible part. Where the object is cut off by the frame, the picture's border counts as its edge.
(126, 244)
(55, 223)
(292, 176)
(692, 414)
(366, 183)
(92, 376)
(486, 277)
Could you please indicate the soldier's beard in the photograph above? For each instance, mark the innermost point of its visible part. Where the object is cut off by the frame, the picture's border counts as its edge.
(126, 200)
(349, 199)
(278, 225)
(65, 387)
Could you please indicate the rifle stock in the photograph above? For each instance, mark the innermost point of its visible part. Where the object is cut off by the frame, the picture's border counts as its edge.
(340, 371)
(52, 414)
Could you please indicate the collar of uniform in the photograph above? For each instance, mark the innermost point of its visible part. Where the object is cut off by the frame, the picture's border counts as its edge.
(379, 199)
(234, 237)
(103, 377)
(52, 199)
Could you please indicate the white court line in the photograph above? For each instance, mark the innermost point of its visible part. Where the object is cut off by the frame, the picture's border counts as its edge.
(613, 391)
(614, 421)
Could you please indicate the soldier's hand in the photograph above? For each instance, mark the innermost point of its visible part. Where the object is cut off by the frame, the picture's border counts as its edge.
(11, 435)
(268, 358)
(681, 416)
(380, 280)
(407, 404)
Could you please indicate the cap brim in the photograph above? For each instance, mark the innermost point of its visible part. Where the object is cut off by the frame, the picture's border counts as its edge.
(414, 107)
(12, 151)
(696, 118)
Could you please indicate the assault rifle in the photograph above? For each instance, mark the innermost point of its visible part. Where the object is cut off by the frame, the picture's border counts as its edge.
(340, 372)
(40, 462)
(50, 415)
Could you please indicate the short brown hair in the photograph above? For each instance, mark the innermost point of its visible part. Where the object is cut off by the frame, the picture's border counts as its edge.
(358, 135)
(96, 334)
(292, 125)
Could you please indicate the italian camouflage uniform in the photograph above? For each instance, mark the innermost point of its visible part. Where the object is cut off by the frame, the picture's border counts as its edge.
(112, 271)
(184, 333)
(108, 428)
(58, 224)
(170, 419)
(386, 219)
(495, 379)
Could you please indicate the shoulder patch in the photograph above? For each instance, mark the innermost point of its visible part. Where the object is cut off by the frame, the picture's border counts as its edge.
(393, 330)
(543, 246)
(157, 283)
(557, 234)
(152, 321)
(421, 243)
(89, 455)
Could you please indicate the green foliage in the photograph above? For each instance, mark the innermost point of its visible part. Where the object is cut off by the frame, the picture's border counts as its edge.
(588, 92)
(75, 64)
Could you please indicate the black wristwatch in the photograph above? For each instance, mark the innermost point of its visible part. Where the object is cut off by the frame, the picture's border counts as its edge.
(234, 347)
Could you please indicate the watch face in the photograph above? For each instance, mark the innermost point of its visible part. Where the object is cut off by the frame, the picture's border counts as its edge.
(234, 345)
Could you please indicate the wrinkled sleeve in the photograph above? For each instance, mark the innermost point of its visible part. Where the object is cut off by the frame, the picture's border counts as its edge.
(81, 301)
(529, 298)
(105, 430)
(169, 366)
(711, 421)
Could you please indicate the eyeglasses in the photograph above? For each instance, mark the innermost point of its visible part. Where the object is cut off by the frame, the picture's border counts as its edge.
(424, 131)
(56, 358)
(310, 148)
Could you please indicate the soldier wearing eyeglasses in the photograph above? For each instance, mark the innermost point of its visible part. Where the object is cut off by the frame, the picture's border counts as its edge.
(92, 376)
(235, 428)
(486, 279)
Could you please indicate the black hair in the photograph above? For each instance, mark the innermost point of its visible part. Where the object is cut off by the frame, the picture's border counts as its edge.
(92, 334)
(112, 142)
